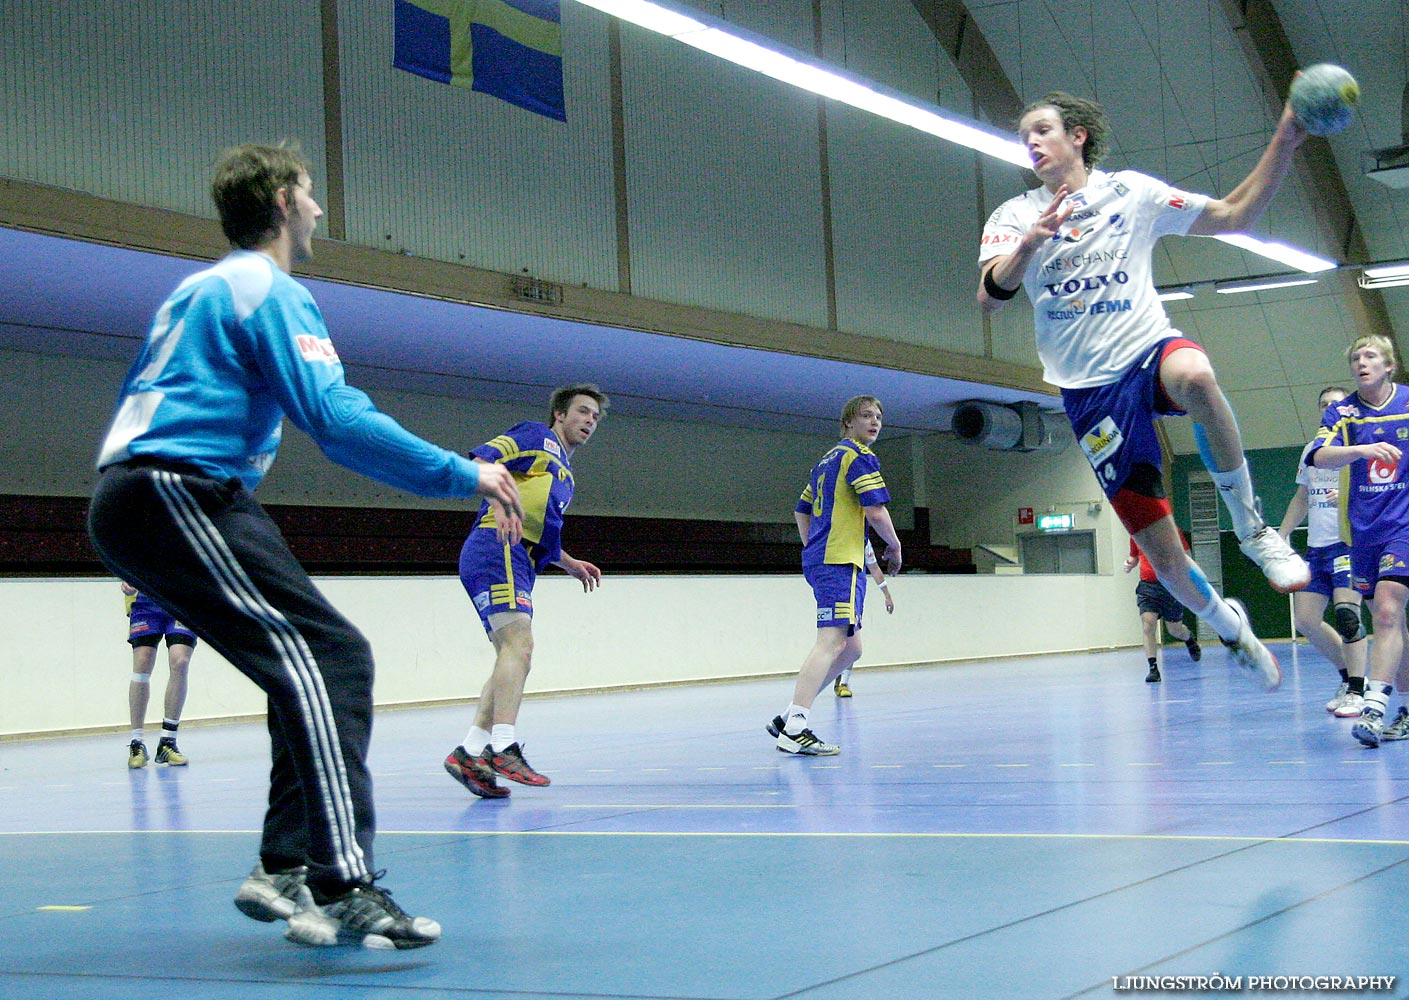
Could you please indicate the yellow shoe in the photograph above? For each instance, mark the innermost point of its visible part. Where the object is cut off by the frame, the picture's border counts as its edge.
(169, 755)
(136, 755)
(839, 686)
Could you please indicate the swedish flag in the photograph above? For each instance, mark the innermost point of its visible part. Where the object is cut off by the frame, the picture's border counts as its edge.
(510, 49)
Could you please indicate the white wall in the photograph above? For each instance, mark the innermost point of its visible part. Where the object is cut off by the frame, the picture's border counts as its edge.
(67, 663)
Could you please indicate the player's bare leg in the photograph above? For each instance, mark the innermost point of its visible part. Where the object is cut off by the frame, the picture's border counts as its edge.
(1183, 578)
(1189, 380)
(1386, 658)
(832, 652)
(498, 710)
(139, 690)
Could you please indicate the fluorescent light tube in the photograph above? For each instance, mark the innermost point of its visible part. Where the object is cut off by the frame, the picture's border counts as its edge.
(1261, 285)
(1280, 252)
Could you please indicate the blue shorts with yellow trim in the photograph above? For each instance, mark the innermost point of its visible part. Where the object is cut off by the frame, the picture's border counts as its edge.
(148, 624)
(1330, 568)
(841, 594)
(1369, 563)
(498, 577)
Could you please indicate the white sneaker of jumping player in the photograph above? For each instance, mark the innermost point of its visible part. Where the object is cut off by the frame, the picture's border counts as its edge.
(1285, 570)
(1250, 654)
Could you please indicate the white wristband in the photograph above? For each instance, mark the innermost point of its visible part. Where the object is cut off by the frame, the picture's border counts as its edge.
(883, 584)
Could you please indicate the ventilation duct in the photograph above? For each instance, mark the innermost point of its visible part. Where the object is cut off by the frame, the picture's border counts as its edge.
(1019, 427)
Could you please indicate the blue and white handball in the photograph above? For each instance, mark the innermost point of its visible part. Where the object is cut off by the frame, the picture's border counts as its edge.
(1323, 98)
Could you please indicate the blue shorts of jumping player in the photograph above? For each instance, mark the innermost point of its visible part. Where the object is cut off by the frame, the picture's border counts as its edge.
(498, 577)
(1330, 568)
(1371, 563)
(1115, 423)
(147, 625)
(841, 595)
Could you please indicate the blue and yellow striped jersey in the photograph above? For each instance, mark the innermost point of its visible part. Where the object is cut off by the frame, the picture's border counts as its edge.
(1374, 495)
(847, 479)
(533, 453)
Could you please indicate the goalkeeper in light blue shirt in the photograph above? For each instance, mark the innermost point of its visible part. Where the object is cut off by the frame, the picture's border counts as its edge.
(235, 349)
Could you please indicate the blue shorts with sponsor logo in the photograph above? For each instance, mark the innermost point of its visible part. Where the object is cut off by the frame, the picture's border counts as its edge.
(1370, 563)
(840, 592)
(148, 623)
(1115, 423)
(498, 577)
(1330, 568)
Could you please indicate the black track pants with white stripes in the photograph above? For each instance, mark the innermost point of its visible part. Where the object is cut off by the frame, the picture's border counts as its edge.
(210, 555)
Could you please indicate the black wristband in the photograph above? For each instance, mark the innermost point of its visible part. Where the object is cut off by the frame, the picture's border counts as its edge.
(995, 290)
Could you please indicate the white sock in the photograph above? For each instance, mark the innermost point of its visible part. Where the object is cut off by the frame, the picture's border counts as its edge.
(846, 676)
(476, 740)
(1221, 618)
(1235, 487)
(501, 736)
(1377, 696)
(168, 729)
(137, 735)
(795, 720)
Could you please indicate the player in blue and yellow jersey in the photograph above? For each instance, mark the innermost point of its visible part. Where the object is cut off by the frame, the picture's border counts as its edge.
(235, 349)
(147, 624)
(845, 494)
(498, 573)
(1367, 433)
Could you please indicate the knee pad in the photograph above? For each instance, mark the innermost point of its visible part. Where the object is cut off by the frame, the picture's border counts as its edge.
(1348, 622)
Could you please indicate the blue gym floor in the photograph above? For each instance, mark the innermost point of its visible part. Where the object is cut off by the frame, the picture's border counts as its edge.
(1027, 828)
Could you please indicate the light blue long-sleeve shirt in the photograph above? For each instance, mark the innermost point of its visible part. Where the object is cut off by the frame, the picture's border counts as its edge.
(235, 349)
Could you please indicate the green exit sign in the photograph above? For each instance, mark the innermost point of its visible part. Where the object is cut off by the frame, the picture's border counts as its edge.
(1056, 522)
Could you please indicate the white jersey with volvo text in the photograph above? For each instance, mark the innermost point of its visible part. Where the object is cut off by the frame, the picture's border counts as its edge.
(1323, 519)
(1095, 308)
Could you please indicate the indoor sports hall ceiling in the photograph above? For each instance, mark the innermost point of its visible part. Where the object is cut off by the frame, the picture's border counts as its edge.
(1189, 87)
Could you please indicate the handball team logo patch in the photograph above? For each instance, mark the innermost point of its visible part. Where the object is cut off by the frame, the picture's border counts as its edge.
(1381, 472)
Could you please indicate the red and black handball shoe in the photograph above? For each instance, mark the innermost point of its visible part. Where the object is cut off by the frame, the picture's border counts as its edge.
(475, 773)
(510, 763)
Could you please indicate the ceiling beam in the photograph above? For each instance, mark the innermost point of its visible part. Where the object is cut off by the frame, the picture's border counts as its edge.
(958, 34)
(76, 215)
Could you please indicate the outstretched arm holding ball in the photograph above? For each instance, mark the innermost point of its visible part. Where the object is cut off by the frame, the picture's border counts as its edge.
(1321, 101)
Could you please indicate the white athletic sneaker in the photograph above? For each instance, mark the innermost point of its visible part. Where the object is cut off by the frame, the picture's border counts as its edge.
(1339, 699)
(1351, 706)
(806, 744)
(273, 896)
(1251, 655)
(1285, 570)
(1367, 731)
